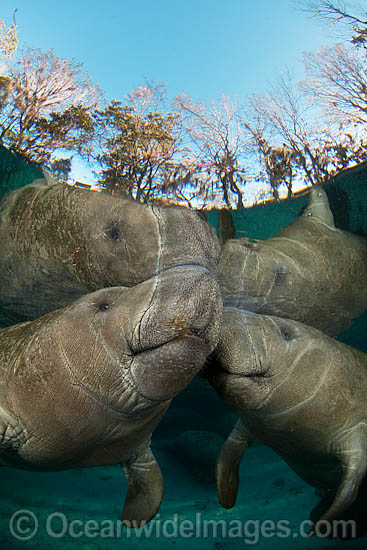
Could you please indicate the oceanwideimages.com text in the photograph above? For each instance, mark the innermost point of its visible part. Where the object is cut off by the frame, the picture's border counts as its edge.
(24, 525)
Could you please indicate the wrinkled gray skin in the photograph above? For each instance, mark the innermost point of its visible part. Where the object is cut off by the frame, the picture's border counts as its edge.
(86, 385)
(299, 392)
(60, 242)
(310, 272)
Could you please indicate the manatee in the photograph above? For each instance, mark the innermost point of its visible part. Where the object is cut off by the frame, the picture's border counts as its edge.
(310, 272)
(87, 384)
(59, 242)
(300, 392)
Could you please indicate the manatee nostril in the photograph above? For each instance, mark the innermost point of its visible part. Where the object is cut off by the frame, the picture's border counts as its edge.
(184, 331)
(191, 333)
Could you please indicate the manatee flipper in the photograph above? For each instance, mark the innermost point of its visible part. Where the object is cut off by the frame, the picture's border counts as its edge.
(145, 490)
(228, 464)
(318, 208)
(12, 433)
(352, 451)
(352, 524)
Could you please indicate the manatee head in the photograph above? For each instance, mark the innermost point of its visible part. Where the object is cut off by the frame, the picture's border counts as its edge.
(132, 348)
(60, 242)
(286, 274)
(122, 242)
(266, 363)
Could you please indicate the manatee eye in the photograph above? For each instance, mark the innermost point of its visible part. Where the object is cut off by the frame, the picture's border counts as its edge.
(249, 243)
(113, 231)
(286, 334)
(280, 275)
(103, 306)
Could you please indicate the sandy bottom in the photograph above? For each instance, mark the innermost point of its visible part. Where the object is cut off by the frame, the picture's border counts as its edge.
(269, 491)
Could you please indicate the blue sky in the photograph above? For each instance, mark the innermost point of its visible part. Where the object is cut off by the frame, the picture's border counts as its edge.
(204, 47)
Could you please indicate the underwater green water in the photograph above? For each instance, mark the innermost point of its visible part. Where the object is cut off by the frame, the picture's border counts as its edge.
(80, 509)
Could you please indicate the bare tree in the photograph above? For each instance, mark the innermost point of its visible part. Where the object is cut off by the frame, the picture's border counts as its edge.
(352, 18)
(8, 46)
(148, 97)
(217, 148)
(293, 142)
(5, 87)
(337, 78)
(8, 39)
(43, 88)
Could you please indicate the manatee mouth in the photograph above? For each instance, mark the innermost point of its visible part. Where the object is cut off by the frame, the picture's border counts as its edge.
(162, 372)
(215, 369)
(157, 374)
(217, 376)
(198, 335)
(210, 372)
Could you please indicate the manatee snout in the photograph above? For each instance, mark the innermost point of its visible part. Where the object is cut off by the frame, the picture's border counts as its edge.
(169, 323)
(186, 238)
(240, 344)
(241, 367)
(181, 329)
